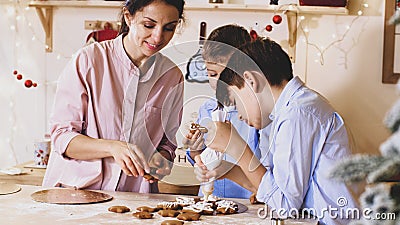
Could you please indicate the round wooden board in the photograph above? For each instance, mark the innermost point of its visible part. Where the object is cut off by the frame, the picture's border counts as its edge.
(70, 196)
(8, 188)
(241, 208)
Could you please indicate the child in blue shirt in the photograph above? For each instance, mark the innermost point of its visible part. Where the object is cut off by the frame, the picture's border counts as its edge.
(215, 61)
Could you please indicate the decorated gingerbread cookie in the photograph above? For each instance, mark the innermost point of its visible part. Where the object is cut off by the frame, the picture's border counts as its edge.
(226, 207)
(169, 205)
(195, 126)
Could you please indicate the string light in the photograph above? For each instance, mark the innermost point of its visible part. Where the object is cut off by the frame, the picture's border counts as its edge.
(321, 50)
(13, 121)
(16, 14)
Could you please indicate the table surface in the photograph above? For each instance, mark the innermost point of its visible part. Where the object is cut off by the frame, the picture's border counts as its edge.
(34, 176)
(30, 175)
(19, 208)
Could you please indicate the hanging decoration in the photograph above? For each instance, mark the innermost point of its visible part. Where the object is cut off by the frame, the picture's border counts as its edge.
(253, 34)
(276, 19)
(28, 83)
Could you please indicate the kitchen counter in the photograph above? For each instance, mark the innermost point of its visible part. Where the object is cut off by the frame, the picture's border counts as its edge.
(19, 208)
(34, 176)
(29, 176)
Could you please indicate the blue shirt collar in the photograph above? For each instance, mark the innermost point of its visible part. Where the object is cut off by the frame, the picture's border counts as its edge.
(212, 105)
(288, 91)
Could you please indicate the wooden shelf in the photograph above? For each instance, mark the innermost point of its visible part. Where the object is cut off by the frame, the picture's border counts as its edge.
(86, 4)
(45, 12)
(209, 6)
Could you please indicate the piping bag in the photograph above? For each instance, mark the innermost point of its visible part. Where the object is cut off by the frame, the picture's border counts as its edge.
(211, 158)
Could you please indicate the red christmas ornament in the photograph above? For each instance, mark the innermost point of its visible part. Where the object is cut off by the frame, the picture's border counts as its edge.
(253, 34)
(268, 28)
(28, 83)
(34, 84)
(15, 72)
(19, 77)
(277, 19)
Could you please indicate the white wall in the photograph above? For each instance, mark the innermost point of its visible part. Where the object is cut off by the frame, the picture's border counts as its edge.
(350, 76)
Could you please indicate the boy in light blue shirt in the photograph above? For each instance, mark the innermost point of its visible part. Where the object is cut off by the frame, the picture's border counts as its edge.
(307, 135)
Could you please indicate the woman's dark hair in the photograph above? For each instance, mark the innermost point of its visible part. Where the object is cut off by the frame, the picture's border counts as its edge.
(229, 35)
(262, 55)
(136, 5)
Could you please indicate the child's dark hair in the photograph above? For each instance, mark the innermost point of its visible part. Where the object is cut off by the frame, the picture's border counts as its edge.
(229, 35)
(262, 55)
(136, 5)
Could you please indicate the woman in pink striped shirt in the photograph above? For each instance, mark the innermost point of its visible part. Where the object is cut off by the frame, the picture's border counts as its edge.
(118, 106)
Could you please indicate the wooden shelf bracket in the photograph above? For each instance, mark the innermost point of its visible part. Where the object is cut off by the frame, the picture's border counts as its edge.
(292, 30)
(46, 18)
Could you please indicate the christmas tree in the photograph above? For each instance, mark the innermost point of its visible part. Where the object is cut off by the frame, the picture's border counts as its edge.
(382, 174)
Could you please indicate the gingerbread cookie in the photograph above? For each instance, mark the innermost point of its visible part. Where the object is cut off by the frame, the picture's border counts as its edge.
(185, 201)
(172, 222)
(143, 215)
(188, 216)
(227, 207)
(195, 126)
(119, 209)
(253, 199)
(169, 205)
(168, 213)
(211, 198)
(205, 208)
(147, 209)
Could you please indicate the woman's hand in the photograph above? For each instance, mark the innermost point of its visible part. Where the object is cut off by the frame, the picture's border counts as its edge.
(130, 158)
(160, 164)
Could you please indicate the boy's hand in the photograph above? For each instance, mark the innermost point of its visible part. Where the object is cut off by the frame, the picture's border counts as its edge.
(200, 170)
(222, 136)
(204, 175)
(194, 141)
